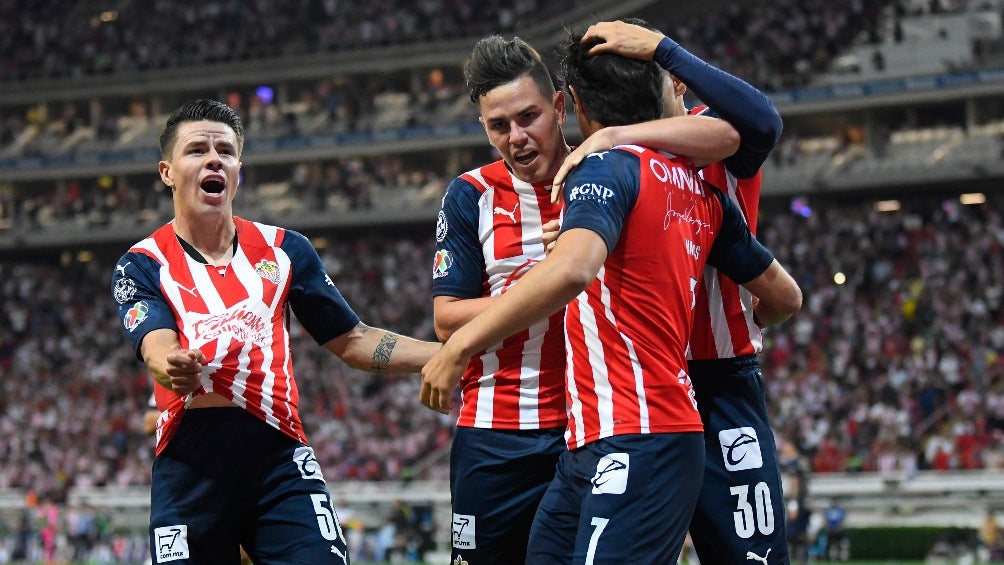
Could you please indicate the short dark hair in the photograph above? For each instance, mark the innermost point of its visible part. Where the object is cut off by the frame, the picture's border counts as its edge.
(612, 89)
(198, 110)
(495, 61)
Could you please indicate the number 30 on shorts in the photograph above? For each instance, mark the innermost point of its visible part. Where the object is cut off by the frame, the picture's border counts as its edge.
(756, 516)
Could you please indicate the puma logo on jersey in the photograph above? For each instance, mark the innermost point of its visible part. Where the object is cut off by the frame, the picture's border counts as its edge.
(191, 291)
(755, 557)
(503, 212)
(121, 268)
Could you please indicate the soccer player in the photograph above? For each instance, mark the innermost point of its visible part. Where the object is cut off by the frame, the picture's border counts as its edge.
(742, 471)
(206, 300)
(511, 425)
(638, 227)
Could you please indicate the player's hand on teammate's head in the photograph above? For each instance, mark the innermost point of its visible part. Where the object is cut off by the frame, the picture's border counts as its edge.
(629, 40)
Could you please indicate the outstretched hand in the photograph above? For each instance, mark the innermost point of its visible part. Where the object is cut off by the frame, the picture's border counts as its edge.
(629, 40)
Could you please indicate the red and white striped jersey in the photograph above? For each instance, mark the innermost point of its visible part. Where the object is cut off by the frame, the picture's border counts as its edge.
(627, 334)
(236, 315)
(488, 236)
(723, 320)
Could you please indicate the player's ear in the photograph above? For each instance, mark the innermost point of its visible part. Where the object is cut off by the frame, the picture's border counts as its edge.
(166, 174)
(559, 106)
(678, 86)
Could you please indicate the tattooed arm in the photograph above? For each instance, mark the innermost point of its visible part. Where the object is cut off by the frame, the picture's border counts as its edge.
(381, 351)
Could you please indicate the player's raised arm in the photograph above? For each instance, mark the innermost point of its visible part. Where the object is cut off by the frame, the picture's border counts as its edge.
(702, 139)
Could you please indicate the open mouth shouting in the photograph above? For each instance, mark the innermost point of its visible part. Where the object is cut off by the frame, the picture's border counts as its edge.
(213, 184)
(526, 158)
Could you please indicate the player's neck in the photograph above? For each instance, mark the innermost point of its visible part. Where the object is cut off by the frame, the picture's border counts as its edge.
(213, 241)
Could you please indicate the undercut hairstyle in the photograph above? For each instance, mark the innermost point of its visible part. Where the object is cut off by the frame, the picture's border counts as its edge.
(196, 111)
(613, 90)
(495, 61)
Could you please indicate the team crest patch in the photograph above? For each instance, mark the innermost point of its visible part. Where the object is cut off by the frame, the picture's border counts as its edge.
(268, 270)
(442, 263)
(124, 290)
(442, 226)
(135, 315)
(459, 560)
(611, 474)
(172, 543)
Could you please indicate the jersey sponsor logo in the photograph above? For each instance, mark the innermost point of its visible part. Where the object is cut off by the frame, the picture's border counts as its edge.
(135, 315)
(500, 211)
(693, 249)
(241, 322)
(740, 449)
(599, 154)
(306, 463)
(611, 474)
(172, 543)
(590, 191)
(755, 557)
(683, 178)
(121, 268)
(442, 226)
(441, 264)
(268, 270)
(124, 290)
(459, 560)
(328, 281)
(463, 531)
(682, 377)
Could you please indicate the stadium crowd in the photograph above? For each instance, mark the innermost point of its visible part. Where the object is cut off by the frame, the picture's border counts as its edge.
(775, 45)
(47, 40)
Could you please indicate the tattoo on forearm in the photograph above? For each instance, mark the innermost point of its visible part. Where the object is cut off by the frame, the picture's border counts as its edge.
(381, 355)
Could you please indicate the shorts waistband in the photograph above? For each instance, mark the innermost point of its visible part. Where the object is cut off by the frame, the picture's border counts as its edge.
(721, 365)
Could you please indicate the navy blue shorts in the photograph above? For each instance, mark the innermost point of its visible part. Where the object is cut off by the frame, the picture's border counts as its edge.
(622, 499)
(227, 479)
(497, 478)
(740, 513)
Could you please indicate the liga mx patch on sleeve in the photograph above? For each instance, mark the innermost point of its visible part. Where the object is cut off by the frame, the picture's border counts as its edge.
(463, 531)
(740, 449)
(172, 543)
